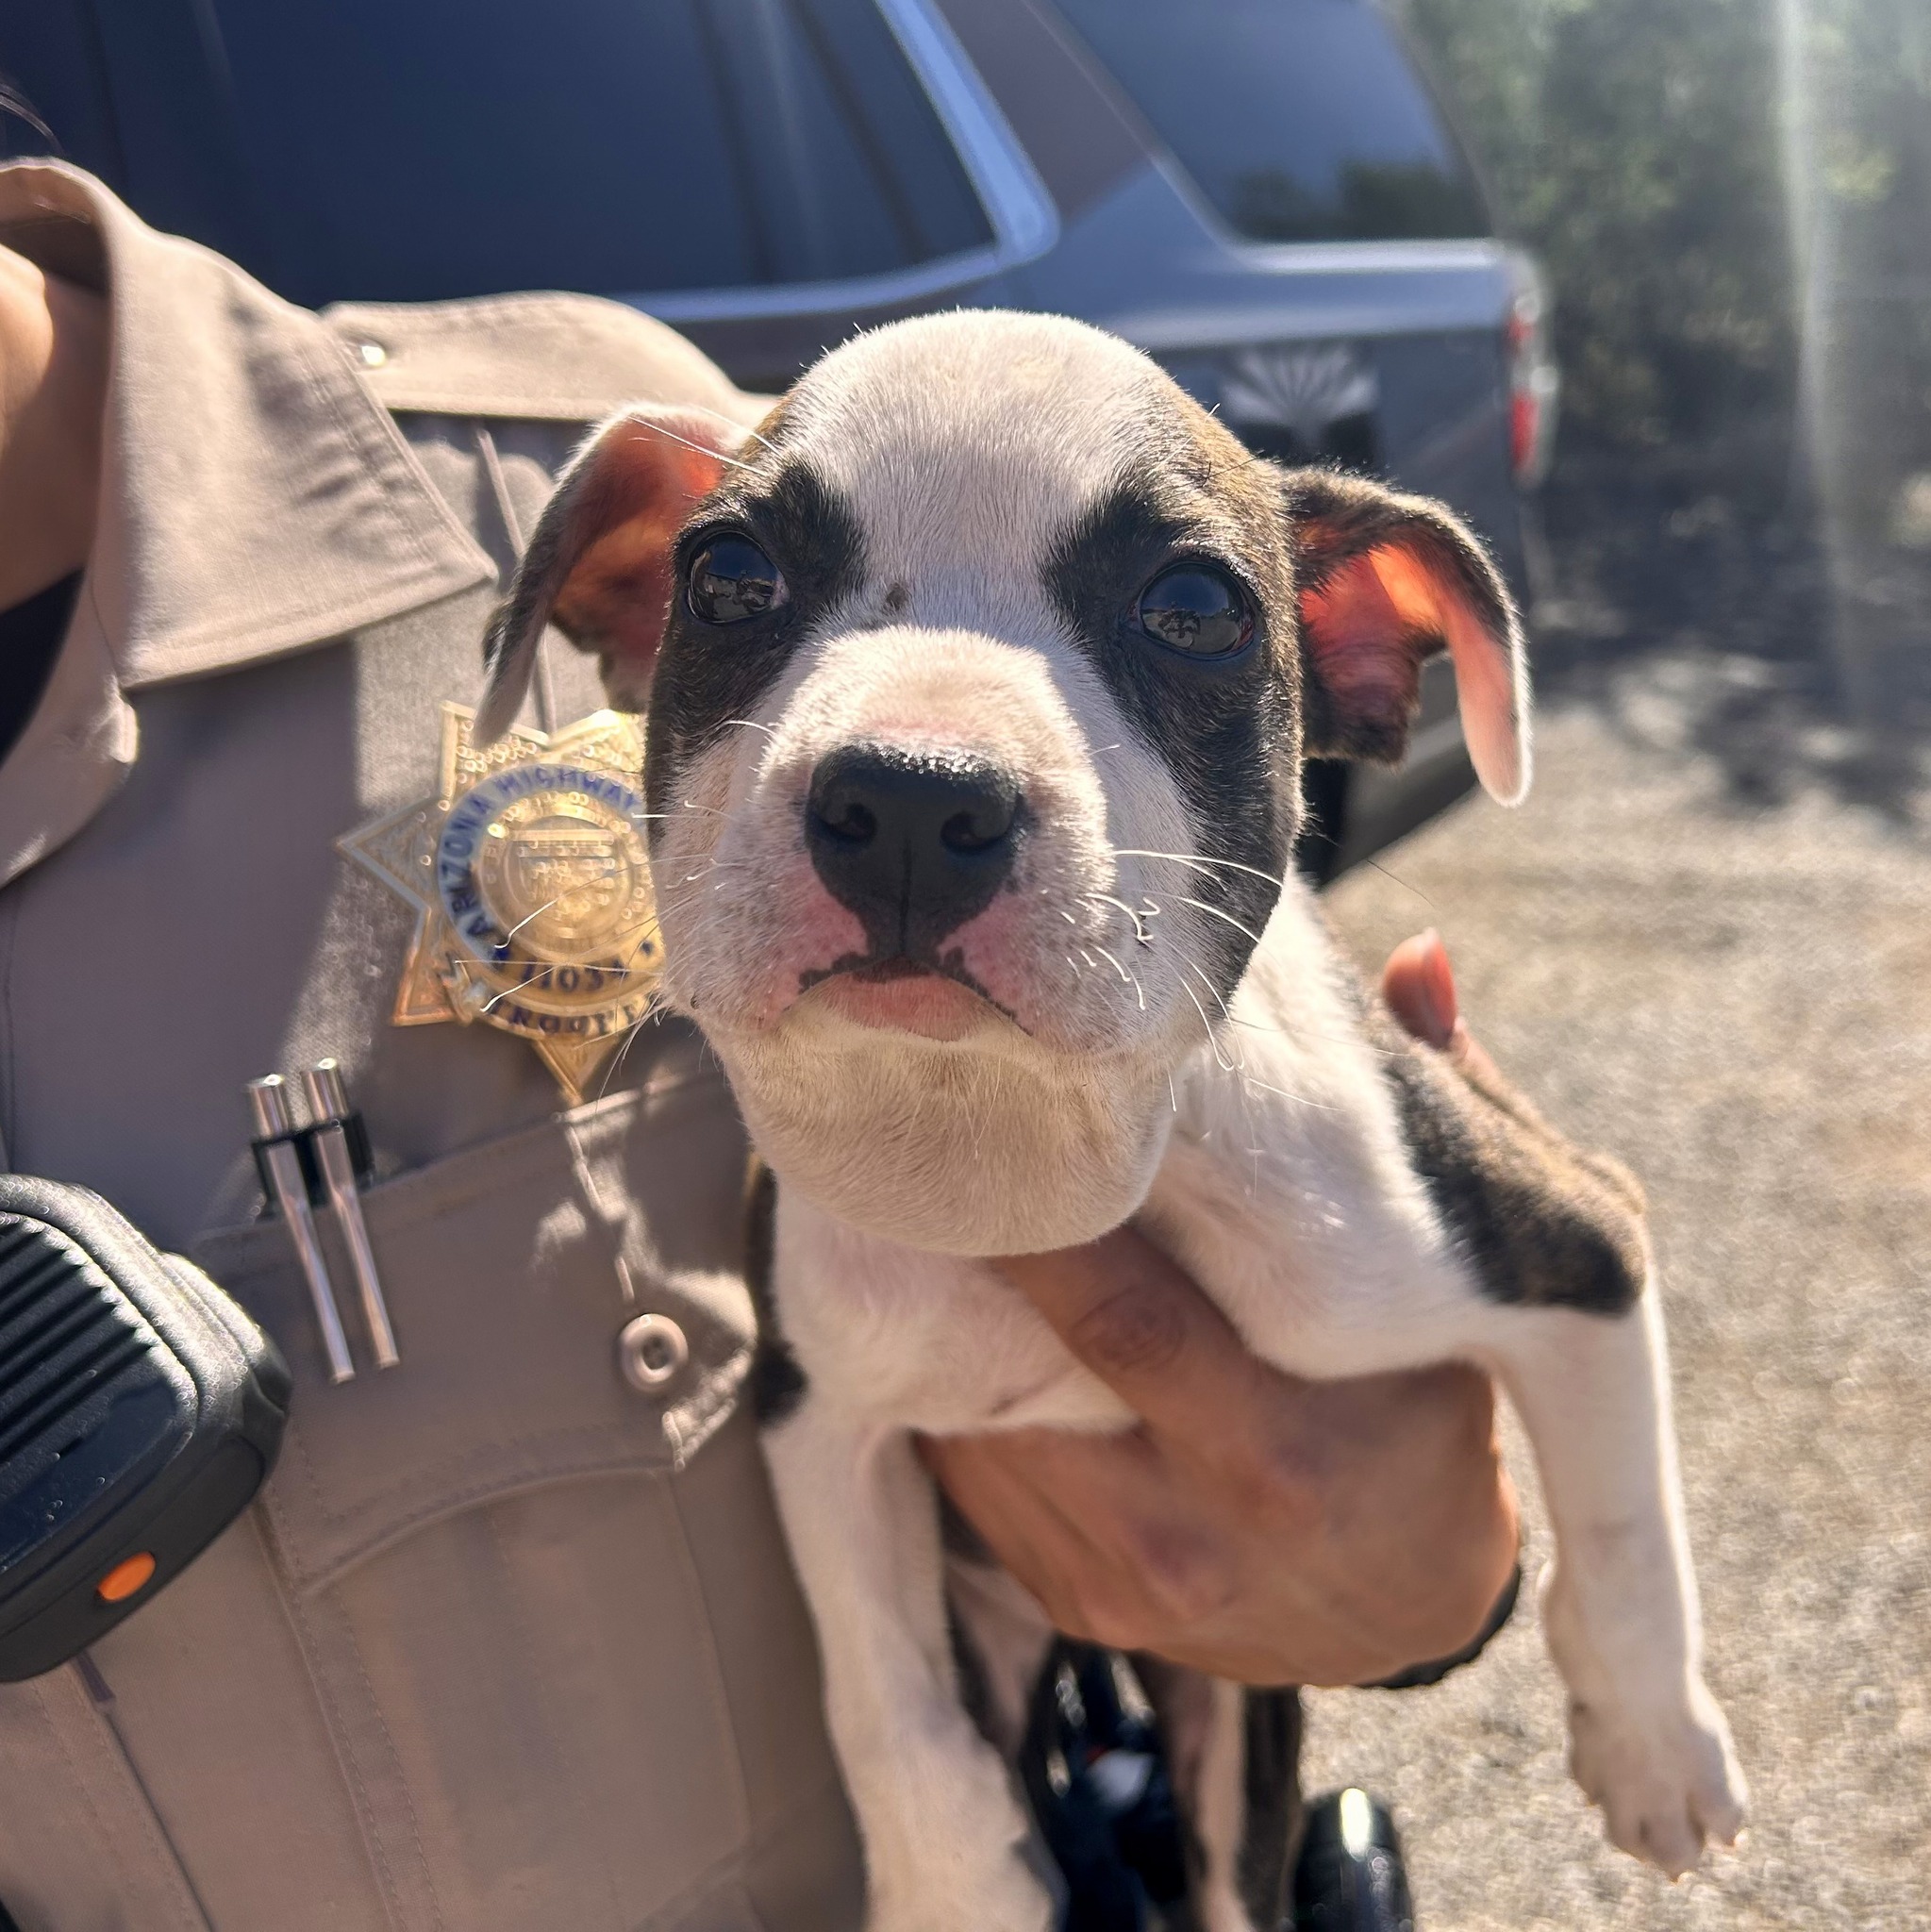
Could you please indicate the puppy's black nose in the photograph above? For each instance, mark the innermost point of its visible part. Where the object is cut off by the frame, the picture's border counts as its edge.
(914, 844)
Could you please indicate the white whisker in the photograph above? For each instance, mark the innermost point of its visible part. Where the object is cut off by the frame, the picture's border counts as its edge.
(1200, 862)
(702, 449)
(1226, 1065)
(704, 409)
(1300, 1099)
(1202, 906)
(1107, 899)
(1232, 1065)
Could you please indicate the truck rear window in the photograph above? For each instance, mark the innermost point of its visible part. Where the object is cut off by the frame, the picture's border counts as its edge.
(1299, 119)
(457, 147)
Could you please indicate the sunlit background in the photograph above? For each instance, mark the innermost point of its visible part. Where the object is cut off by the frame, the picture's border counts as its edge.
(1732, 201)
(1705, 942)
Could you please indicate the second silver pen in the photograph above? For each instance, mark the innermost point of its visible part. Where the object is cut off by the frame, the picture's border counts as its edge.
(328, 1107)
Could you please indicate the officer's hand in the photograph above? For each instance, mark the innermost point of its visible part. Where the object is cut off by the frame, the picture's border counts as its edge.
(1255, 1525)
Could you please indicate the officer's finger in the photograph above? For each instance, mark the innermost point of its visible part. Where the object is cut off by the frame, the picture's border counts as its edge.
(1139, 1323)
(1418, 983)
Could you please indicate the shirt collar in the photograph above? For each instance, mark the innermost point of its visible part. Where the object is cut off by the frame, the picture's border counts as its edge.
(256, 496)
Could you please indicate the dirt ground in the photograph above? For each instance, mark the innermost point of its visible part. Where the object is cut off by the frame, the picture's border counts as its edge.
(1729, 983)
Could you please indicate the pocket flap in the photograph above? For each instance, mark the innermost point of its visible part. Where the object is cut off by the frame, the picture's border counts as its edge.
(509, 1270)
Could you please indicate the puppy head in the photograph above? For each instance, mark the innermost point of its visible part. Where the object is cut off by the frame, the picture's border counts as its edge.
(979, 680)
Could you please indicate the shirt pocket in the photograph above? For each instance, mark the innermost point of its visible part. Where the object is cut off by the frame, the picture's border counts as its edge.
(511, 1270)
(482, 1551)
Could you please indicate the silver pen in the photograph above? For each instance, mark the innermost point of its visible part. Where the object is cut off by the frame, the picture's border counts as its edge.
(281, 1167)
(328, 1109)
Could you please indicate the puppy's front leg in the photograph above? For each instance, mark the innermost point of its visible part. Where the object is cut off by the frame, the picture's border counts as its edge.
(1568, 1318)
(942, 1825)
(1647, 1739)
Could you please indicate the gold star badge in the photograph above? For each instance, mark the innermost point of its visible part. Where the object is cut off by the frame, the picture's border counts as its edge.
(531, 879)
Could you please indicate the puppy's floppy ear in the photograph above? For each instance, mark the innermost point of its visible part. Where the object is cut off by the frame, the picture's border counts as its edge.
(1384, 582)
(598, 565)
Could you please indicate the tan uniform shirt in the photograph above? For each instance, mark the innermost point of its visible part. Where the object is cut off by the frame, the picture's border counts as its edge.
(505, 1643)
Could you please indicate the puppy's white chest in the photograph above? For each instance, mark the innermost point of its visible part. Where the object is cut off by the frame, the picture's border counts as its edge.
(936, 1343)
(1298, 1217)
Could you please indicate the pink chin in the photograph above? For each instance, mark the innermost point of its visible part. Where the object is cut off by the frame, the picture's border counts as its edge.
(926, 1003)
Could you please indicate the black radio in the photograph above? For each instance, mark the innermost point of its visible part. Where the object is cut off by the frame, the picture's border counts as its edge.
(140, 1411)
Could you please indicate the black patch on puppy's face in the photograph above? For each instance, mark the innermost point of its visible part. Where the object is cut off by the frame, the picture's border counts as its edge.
(708, 675)
(1227, 729)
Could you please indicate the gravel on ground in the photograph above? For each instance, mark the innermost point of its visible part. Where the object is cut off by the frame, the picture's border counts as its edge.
(1731, 989)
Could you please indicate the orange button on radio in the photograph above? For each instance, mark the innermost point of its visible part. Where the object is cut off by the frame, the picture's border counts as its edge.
(124, 1578)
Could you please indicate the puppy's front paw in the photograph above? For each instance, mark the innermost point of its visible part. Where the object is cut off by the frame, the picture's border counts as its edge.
(1667, 1779)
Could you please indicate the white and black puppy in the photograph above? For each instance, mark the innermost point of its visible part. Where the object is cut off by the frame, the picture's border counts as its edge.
(979, 681)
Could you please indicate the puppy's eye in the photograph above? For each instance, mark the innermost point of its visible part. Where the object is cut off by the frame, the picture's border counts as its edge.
(731, 579)
(1196, 609)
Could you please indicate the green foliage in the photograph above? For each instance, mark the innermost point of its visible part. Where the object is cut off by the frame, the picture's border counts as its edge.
(1710, 183)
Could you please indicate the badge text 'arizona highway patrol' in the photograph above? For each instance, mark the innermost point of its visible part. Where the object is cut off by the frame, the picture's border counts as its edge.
(529, 874)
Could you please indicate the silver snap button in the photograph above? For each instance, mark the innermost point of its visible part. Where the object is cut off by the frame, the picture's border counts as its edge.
(372, 355)
(650, 1351)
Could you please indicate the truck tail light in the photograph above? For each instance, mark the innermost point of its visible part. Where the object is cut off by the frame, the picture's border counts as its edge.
(1534, 385)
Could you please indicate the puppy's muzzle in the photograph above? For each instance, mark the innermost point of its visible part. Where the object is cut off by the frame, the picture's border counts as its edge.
(913, 844)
